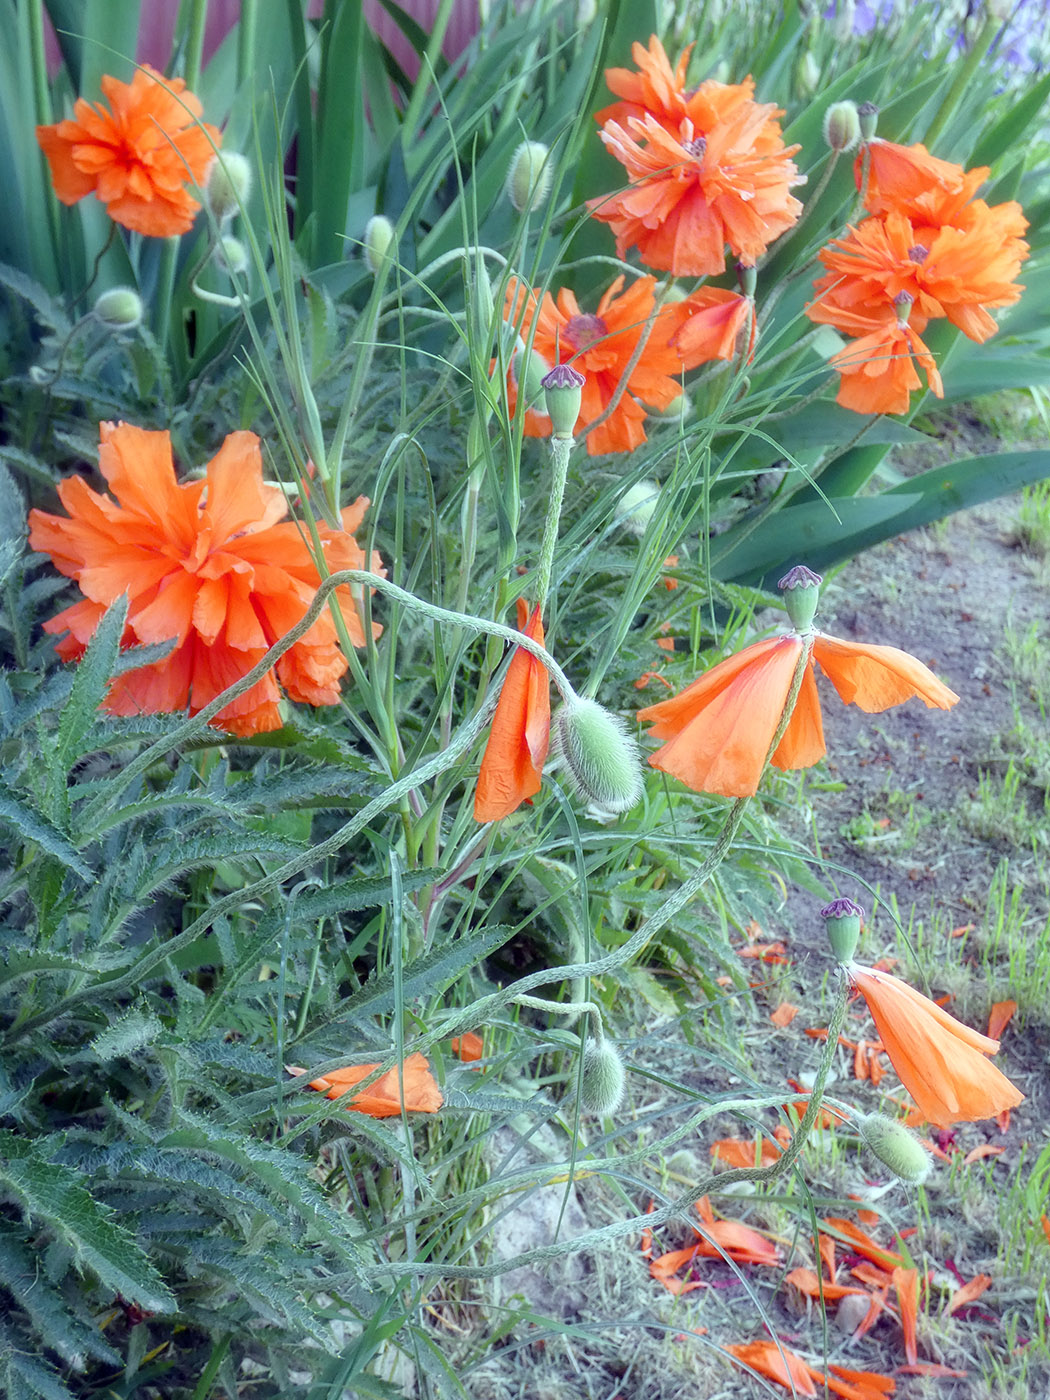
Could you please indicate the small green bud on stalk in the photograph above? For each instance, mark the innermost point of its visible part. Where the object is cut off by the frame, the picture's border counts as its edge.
(228, 184)
(378, 243)
(807, 75)
(231, 255)
(842, 921)
(603, 1079)
(868, 116)
(119, 309)
(529, 177)
(895, 1147)
(801, 589)
(599, 753)
(637, 505)
(842, 126)
(563, 388)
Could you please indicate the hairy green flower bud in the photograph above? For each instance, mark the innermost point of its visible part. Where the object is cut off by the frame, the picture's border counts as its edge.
(119, 309)
(228, 184)
(842, 126)
(599, 753)
(378, 243)
(563, 388)
(529, 176)
(636, 506)
(231, 255)
(842, 920)
(601, 1090)
(894, 1146)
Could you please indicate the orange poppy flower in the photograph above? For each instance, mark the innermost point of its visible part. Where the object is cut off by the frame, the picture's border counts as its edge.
(512, 766)
(656, 88)
(940, 1062)
(898, 175)
(602, 346)
(720, 175)
(719, 729)
(382, 1099)
(878, 371)
(138, 157)
(204, 563)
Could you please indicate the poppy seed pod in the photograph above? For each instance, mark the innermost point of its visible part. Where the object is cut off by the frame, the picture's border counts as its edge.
(119, 309)
(378, 241)
(601, 1089)
(563, 390)
(231, 255)
(229, 181)
(600, 754)
(868, 116)
(895, 1147)
(842, 126)
(801, 589)
(529, 176)
(842, 920)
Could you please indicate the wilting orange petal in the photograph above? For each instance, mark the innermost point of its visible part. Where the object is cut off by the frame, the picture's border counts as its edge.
(382, 1099)
(512, 766)
(826, 1247)
(906, 1282)
(969, 1292)
(875, 678)
(931, 1368)
(860, 1385)
(863, 1243)
(999, 1018)
(468, 1047)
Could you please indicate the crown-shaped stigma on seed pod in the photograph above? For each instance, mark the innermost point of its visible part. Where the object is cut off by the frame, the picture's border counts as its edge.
(603, 1078)
(600, 755)
(563, 388)
(529, 176)
(228, 184)
(842, 921)
(231, 255)
(378, 242)
(868, 116)
(801, 589)
(895, 1147)
(119, 309)
(842, 126)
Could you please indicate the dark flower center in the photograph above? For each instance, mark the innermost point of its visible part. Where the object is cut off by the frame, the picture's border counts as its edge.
(697, 147)
(918, 253)
(582, 331)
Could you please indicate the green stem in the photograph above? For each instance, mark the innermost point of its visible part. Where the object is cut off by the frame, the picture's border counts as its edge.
(566, 1008)
(561, 450)
(246, 30)
(963, 77)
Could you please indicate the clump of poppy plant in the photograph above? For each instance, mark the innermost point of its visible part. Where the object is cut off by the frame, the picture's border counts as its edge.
(718, 731)
(207, 565)
(138, 157)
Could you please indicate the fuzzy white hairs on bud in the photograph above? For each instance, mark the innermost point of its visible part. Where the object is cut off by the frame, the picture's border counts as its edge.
(603, 1080)
(599, 753)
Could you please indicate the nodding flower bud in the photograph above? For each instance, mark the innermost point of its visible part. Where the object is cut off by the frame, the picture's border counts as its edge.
(895, 1147)
(868, 116)
(807, 75)
(602, 1082)
(229, 181)
(529, 370)
(842, 920)
(600, 754)
(842, 126)
(119, 309)
(637, 506)
(529, 177)
(378, 243)
(231, 255)
(563, 387)
(801, 589)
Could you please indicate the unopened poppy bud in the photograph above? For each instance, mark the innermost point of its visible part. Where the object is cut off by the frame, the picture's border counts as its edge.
(868, 116)
(801, 589)
(602, 1084)
(599, 753)
(529, 370)
(529, 177)
(563, 388)
(747, 278)
(231, 255)
(842, 920)
(807, 75)
(120, 309)
(378, 242)
(637, 505)
(842, 126)
(229, 181)
(895, 1147)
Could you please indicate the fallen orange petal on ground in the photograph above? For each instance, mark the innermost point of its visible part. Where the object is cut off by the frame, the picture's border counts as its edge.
(985, 1150)
(776, 1363)
(999, 1018)
(468, 1047)
(863, 1243)
(784, 1014)
(931, 1368)
(906, 1282)
(741, 1152)
(806, 1281)
(969, 1292)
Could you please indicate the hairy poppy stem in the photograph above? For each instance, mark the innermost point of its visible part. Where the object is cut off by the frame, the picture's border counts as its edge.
(566, 1008)
(561, 450)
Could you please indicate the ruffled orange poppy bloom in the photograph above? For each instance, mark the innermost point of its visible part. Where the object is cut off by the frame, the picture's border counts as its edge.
(900, 174)
(878, 370)
(204, 564)
(601, 346)
(779, 1364)
(382, 1099)
(138, 157)
(719, 729)
(657, 88)
(512, 765)
(942, 1063)
(720, 175)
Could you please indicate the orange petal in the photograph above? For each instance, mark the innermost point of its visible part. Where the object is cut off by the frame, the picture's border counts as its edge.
(906, 1282)
(784, 1014)
(986, 1149)
(468, 1047)
(736, 1152)
(876, 677)
(775, 1362)
(969, 1292)
(863, 1243)
(512, 765)
(382, 1099)
(806, 1281)
(999, 1018)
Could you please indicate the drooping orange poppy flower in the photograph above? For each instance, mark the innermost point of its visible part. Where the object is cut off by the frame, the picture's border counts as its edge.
(512, 766)
(602, 346)
(382, 1099)
(719, 176)
(942, 1063)
(719, 729)
(138, 157)
(205, 564)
